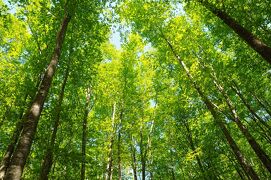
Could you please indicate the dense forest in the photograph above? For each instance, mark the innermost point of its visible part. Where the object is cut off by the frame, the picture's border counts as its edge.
(135, 89)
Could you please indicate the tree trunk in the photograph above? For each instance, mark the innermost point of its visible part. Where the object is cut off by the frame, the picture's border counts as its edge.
(110, 155)
(254, 145)
(211, 107)
(10, 149)
(119, 145)
(237, 168)
(254, 42)
(110, 160)
(48, 158)
(134, 162)
(172, 174)
(31, 118)
(238, 92)
(191, 142)
(142, 156)
(119, 155)
(263, 105)
(13, 142)
(84, 135)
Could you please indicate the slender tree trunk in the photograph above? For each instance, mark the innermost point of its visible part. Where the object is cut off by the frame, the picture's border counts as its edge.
(211, 107)
(143, 161)
(238, 92)
(254, 42)
(191, 142)
(119, 145)
(110, 160)
(134, 162)
(48, 158)
(237, 168)
(142, 156)
(110, 155)
(254, 145)
(119, 155)
(172, 174)
(15, 170)
(263, 105)
(84, 135)
(13, 142)
(10, 149)
(263, 132)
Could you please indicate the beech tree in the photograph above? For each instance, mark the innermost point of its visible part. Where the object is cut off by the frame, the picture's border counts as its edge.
(135, 89)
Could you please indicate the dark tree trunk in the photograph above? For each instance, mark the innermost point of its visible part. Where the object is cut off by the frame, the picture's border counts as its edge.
(48, 158)
(266, 108)
(110, 155)
(134, 162)
(192, 145)
(255, 146)
(15, 170)
(110, 160)
(84, 135)
(211, 107)
(10, 149)
(173, 174)
(119, 145)
(119, 155)
(13, 142)
(254, 42)
(238, 92)
(237, 168)
(143, 157)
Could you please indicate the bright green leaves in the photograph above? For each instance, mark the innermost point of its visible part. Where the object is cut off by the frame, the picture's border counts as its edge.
(158, 113)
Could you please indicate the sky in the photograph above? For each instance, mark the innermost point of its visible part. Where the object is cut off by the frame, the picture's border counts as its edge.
(115, 38)
(12, 9)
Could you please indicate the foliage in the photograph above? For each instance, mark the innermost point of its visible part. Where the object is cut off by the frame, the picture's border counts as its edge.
(143, 106)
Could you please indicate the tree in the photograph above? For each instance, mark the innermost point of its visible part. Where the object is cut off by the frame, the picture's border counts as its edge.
(253, 41)
(137, 90)
(14, 171)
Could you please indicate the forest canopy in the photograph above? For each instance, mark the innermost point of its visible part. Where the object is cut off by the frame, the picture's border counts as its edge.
(135, 89)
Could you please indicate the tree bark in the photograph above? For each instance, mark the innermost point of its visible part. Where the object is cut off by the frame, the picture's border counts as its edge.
(15, 170)
(48, 158)
(142, 157)
(254, 145)
(10, 149)
(119, 155)
(241, 174)
(238, 92)
(13, 142)
(211, 107)
(192, 145)
(134, 162)
(119, 145)
(254, 42)
(172, 174)
(84, 135)
(110, 155)
(110, 160)
(263, 105)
